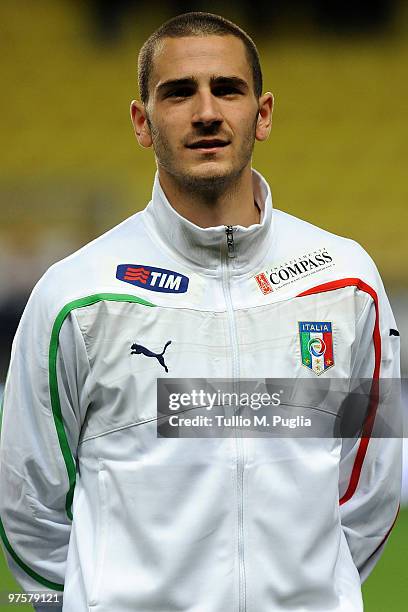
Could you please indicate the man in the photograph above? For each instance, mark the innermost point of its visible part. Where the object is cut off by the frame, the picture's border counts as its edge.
(207, 282)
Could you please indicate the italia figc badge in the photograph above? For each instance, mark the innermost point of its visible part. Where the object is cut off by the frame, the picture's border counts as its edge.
(316, 345)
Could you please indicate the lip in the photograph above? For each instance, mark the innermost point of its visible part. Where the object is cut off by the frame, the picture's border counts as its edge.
(208, 150)
(218, 145)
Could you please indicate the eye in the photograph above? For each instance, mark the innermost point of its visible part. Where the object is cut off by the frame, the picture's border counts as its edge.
(182, 92)
(226, 90)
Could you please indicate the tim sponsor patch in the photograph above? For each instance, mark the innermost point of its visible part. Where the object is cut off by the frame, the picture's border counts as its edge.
(277, 277)
(152, 279)
(316, 345)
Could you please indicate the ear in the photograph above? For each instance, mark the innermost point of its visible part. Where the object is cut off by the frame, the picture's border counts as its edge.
(264, 122)
(138, 116)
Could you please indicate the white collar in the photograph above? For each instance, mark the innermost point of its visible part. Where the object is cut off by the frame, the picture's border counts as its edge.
(206, 247)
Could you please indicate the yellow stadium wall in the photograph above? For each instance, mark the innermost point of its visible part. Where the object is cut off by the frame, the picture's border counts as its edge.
(70, 165)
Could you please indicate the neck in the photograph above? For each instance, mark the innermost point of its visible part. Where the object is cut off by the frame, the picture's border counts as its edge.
(230, 203)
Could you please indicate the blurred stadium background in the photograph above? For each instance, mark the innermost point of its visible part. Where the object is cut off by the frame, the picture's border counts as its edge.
(70, 167)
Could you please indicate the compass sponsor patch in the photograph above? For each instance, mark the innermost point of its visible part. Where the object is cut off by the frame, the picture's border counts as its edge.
(292, 270)
(316, 345)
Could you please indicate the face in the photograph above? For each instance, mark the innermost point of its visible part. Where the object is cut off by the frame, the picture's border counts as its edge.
(202, 117)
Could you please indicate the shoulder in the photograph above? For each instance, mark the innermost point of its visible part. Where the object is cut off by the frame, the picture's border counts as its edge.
(90, 270)
(296, 238)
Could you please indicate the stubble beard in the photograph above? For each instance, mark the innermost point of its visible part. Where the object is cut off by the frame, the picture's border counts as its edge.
(207, 186)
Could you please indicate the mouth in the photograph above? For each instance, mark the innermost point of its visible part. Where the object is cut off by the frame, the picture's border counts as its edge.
(208, 145)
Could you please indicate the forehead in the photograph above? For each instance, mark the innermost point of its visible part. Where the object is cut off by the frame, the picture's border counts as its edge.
(200, 56)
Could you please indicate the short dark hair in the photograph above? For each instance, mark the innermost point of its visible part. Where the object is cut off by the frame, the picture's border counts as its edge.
(195, 24)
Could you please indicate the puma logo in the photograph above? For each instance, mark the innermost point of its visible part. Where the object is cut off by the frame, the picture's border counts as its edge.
(138, 349)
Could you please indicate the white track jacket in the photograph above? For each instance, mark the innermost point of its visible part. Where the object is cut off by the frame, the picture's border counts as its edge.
(94, 504)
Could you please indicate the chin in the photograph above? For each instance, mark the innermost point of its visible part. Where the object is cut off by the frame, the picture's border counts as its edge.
(208, 177)
(208, 181)
(211, 171)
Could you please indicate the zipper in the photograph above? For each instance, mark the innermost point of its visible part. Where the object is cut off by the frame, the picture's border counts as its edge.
(229, 230)
(226, 263)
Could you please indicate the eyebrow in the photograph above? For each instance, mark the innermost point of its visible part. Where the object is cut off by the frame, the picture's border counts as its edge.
(234, 81)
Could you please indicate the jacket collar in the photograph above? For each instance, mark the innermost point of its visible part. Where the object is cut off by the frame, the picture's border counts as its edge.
(207, 247)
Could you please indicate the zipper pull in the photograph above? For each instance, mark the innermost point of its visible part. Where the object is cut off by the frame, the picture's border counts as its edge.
(230, 240)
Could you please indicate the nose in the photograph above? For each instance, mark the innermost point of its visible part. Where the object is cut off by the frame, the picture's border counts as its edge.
(206, 110)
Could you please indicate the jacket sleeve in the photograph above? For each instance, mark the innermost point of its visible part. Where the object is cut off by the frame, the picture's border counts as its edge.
(371, 466)
(41, 419)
